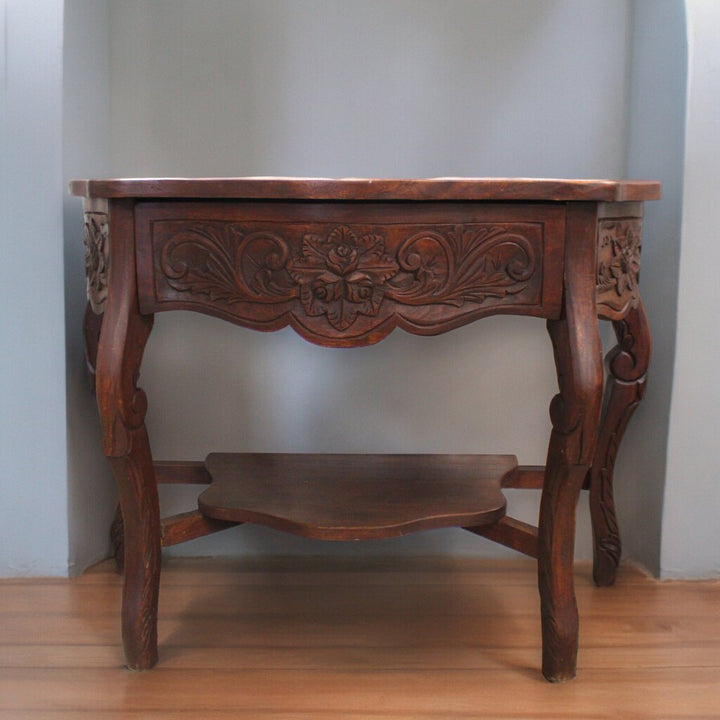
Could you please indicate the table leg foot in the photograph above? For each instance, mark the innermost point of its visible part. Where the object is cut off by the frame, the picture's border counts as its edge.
(574, 413)
(558, 607)
(141, 560)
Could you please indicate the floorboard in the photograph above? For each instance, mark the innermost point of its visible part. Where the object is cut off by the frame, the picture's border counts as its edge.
(359, 638)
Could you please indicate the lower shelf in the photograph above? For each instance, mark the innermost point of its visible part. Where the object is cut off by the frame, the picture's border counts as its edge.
(356, 497)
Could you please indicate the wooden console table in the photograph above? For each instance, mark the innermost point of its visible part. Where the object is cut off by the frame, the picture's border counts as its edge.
(344, 262)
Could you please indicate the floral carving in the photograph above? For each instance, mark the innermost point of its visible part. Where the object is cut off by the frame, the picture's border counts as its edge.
(619, 247)
(342, 275)
(97, 258)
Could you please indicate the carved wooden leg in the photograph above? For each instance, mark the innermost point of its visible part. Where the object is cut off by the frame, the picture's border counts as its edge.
(92, 324)
(117, 540)
(628, 363)
(575, 414)
(122, 408)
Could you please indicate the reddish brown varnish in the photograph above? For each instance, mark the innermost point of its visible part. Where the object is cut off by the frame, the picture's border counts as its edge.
(356, 497)
(344, 262)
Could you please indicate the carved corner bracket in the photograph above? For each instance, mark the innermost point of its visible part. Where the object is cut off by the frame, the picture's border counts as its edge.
(618, 266)
(96, 237)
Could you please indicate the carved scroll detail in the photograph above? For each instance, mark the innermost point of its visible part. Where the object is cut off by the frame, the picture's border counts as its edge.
(228, 265)
(618, 268)
(97, 258)
(628, 363)
(343, 272)
(464, 265)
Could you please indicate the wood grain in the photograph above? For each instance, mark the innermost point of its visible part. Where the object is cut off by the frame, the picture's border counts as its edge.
(371, 189)
(575, 413)
(313, 638)
(346, 273)
(123, 405)
(356, 497)
(344, 262)
(625, 387)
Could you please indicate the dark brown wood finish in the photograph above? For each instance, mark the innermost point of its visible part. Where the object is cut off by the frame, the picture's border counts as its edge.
(619, 243)
(511, 532)
(344, 262)
(356, 497)
(190, 525)
(433, 189)
(574, 413)
(628, 363)
(123, 406)
(425, 267)
(186, 472)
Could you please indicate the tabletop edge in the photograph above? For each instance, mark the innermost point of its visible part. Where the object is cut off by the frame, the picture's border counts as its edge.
(425, 189)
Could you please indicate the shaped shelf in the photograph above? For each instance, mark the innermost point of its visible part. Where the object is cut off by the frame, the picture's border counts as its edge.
(356, 497)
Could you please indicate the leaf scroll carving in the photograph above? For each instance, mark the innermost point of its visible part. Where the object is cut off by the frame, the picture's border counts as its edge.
(463, 265)
(333, 279)
(225, 264)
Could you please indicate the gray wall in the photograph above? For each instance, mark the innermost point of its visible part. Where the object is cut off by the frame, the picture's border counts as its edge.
(335, 88)
(86, 152)
(371, 88)
(656, 150)
(690, 530)
(339, 88)
(33, 500)
(55, 489)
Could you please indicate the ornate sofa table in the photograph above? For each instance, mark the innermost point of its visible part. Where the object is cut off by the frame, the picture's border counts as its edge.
(344, 262)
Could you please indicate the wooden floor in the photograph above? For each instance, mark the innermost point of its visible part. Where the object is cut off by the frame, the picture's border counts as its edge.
(371, 639)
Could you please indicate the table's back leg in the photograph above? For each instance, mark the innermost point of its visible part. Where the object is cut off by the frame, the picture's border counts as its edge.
(92, 326)
(628, 363)
(122, 408)
(575, 413)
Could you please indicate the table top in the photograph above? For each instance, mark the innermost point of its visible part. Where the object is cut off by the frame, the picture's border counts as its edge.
(430, 189)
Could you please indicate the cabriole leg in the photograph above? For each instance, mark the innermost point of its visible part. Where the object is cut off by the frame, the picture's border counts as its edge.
(575, 415)
(123, 406)
(628, 363)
